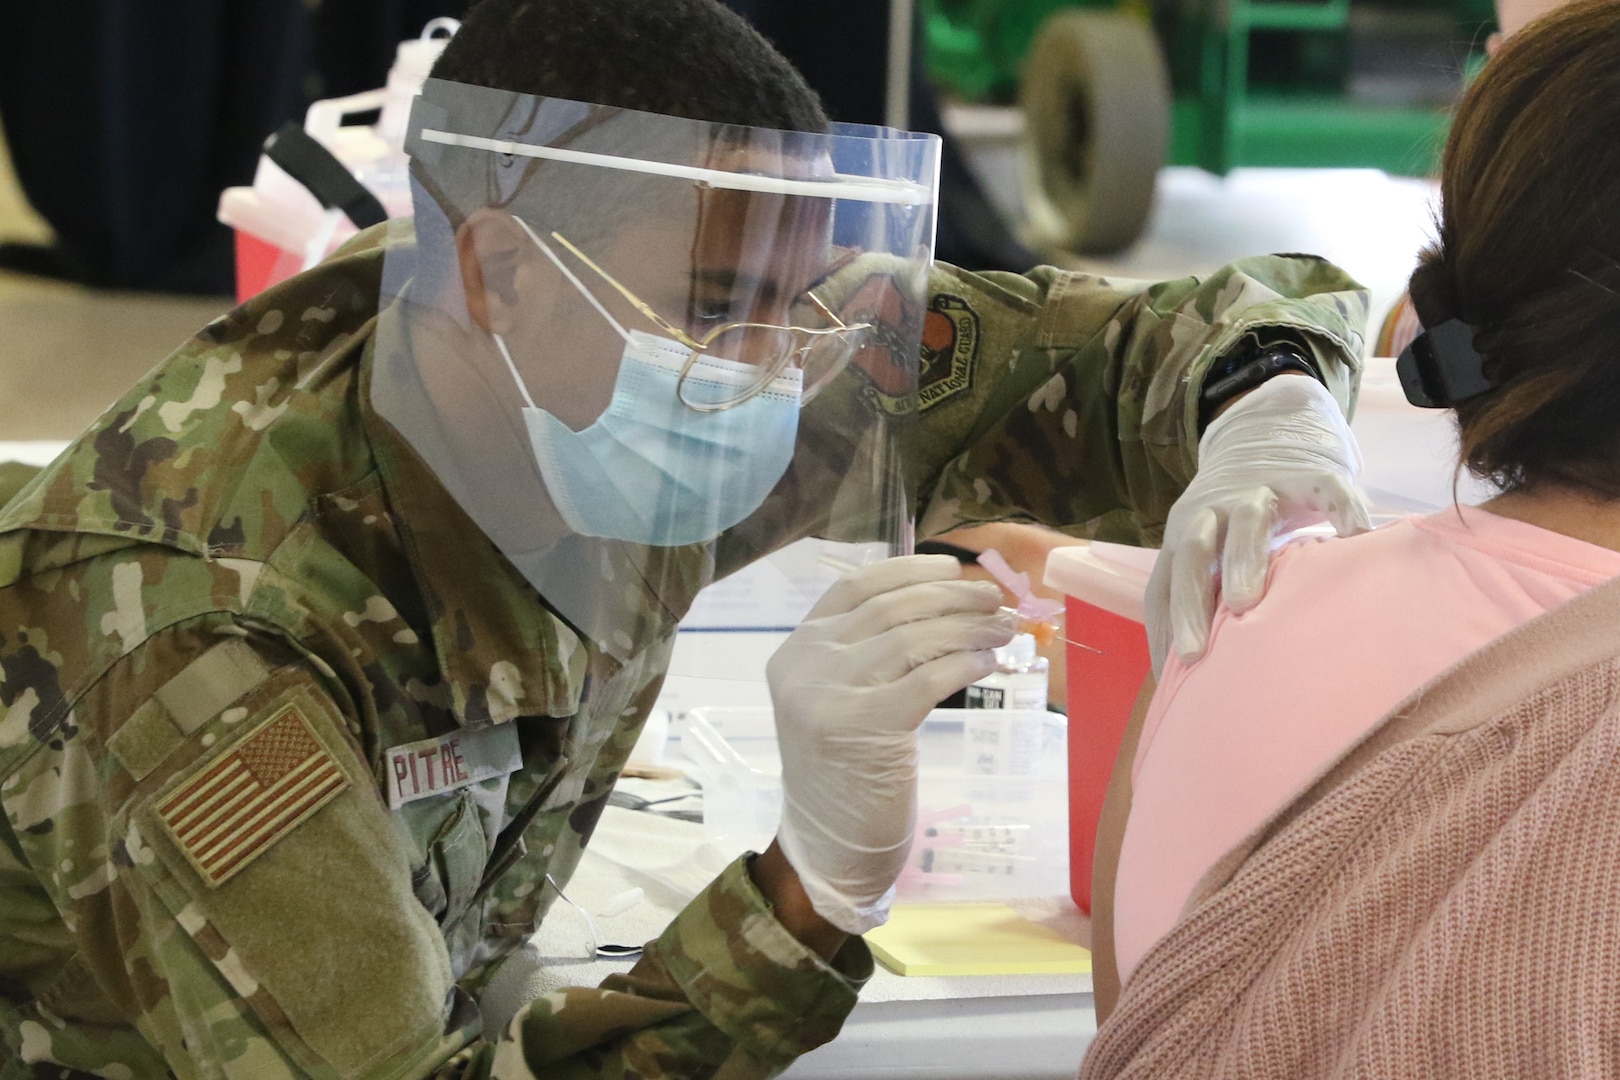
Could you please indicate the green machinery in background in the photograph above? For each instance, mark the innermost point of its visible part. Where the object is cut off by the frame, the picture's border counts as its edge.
(1113, 89)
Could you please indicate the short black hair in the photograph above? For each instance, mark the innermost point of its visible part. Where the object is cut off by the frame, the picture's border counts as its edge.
(690, 58)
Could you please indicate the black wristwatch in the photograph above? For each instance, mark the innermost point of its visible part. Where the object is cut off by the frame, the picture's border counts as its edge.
(1246, 367)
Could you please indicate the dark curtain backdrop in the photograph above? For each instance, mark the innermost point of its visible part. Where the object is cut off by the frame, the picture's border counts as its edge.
(127, 118)
(842, 47)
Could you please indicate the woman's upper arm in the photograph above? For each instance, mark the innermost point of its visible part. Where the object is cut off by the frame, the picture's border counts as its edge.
(1116, 811)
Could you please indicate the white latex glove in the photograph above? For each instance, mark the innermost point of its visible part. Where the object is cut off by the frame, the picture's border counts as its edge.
(1279, 458)
(851, 686)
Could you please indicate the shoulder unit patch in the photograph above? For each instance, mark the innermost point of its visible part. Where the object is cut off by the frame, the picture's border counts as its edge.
(232, 809)
(950, 350)
(897, 380)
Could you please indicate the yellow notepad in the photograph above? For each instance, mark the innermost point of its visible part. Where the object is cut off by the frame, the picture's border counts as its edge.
(972, 939)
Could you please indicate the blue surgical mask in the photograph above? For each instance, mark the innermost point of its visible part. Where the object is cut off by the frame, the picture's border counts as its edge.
(651, 469)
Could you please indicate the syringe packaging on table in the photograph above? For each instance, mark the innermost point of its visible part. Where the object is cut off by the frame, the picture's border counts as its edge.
(992, 814)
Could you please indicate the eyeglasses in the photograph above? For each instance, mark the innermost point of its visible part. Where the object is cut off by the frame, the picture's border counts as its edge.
(765, 350)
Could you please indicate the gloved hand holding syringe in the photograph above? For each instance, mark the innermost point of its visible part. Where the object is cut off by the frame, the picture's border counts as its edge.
(850, 687)
(1037, 616)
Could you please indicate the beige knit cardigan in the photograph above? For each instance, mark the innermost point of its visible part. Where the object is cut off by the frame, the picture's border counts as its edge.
(1443, 901)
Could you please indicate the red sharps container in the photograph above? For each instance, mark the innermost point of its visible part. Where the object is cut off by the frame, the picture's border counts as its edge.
(1107, 659)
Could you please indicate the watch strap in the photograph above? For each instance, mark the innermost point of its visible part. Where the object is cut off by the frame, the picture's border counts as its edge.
(1249, 370)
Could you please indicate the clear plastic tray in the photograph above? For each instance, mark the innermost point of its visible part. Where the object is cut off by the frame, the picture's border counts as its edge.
(992, 813)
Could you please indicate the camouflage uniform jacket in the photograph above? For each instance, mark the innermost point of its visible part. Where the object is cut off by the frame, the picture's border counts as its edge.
(237, 616)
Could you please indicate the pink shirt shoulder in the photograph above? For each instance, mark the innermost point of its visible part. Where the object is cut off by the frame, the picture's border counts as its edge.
(1348, 628)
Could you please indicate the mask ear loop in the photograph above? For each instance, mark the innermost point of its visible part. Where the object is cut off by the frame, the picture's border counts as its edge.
(545, 249)
(506, 354)
(573, 279)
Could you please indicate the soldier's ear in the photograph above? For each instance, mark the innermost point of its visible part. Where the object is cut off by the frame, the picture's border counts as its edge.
(498, 268)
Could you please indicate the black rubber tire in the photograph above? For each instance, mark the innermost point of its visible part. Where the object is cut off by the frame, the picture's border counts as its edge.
(1096, 101)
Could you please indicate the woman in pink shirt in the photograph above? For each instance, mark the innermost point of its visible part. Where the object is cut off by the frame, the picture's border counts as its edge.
(1521, 300)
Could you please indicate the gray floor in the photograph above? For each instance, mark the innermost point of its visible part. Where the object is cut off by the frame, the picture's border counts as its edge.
(1371, 224)
(66, 352)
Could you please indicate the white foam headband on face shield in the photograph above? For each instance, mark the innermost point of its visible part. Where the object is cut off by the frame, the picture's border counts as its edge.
(839, 186)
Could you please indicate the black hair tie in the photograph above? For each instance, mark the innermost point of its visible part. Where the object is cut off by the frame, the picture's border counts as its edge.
(1442, 367)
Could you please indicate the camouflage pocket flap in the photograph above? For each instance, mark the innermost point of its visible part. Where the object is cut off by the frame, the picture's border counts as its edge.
(278, 859)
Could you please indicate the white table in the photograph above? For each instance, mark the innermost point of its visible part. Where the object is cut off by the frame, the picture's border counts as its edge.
(1031, 1027)
(32, 453)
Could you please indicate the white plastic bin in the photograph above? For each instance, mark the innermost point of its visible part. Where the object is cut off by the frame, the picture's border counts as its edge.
(281, 229)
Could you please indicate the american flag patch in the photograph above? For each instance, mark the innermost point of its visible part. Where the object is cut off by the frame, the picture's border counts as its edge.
(239, 804)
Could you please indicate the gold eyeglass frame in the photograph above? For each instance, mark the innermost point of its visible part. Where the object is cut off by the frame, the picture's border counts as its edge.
(701, 345)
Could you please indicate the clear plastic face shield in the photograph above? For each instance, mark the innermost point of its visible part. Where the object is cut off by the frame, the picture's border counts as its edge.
(643, 352)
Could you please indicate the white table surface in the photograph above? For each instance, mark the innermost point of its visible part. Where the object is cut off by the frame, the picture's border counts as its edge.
(970, 1027)
(31, 453)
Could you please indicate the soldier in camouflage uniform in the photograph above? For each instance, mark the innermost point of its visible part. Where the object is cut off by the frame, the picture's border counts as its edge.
(241, 587)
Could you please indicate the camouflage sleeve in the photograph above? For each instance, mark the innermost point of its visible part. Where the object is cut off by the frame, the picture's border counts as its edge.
(227, 888)
(14, 476)
(230, 893)
(1072, 400)
(724, 991)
